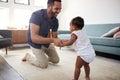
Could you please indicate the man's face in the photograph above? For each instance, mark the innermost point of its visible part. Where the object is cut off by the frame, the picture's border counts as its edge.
(55, 9)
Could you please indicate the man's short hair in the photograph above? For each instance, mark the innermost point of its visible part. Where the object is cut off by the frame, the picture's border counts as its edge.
(51, 2)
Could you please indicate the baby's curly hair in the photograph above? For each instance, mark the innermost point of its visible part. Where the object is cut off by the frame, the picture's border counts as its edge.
(78, 22)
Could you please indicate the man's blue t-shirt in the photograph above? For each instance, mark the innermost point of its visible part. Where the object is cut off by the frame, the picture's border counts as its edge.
(40, 18)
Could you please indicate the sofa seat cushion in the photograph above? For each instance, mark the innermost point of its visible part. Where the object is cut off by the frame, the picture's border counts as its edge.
(105, 41)
(64, 36)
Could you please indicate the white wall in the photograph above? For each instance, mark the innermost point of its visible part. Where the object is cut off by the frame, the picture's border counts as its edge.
(93, 11)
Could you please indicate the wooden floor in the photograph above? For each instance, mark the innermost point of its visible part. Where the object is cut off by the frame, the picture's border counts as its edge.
(7, 72)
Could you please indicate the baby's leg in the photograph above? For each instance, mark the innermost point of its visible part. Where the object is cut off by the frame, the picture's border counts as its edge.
(78, 65)
(87, 71)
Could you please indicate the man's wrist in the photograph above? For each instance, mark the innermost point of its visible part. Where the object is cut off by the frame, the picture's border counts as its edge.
(52, 40)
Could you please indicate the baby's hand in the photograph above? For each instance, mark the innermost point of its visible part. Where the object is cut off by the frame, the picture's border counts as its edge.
(63, 43)
(64, 40)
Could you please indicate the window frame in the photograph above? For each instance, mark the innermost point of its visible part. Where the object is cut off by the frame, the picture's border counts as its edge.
(17, 2)
(4, 1)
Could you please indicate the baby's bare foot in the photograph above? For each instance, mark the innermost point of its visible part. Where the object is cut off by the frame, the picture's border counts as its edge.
(24, 58)
(87, 78)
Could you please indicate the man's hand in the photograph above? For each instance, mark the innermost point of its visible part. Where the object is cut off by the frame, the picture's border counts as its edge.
(57, 42)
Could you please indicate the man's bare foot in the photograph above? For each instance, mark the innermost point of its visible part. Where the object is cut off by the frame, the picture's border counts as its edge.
(87, 78)
(24, 58)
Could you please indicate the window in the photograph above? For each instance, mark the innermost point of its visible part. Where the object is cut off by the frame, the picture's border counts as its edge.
(21, 18)
(4, 17)
(15, 16)
(25, 2)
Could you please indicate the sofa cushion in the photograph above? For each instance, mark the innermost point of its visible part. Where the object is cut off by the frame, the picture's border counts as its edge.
(117, 35)
(105, 41)
(98, 30)
(4, 42)
(111, 32)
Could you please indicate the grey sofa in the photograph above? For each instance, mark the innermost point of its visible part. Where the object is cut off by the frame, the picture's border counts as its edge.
(108, 45)
(6, 39)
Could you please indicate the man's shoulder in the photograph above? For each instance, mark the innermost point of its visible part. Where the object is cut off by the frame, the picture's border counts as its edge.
(41, 11)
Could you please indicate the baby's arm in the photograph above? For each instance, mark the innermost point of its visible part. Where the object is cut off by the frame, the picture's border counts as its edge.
(70, 41)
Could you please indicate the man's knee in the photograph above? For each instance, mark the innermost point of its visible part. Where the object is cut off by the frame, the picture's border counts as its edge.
(43, 65)
(55, 61)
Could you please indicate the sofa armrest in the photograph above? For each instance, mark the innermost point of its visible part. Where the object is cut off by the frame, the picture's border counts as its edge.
(6, 33)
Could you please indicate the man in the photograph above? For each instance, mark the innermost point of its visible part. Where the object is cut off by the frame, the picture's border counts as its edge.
(43, 25)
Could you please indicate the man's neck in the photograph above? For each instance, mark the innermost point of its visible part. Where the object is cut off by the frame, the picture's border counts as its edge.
(48, 15)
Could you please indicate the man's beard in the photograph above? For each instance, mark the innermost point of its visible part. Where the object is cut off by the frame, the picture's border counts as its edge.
(52, 14)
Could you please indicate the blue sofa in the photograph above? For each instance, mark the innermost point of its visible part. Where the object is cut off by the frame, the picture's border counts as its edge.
(108, 45)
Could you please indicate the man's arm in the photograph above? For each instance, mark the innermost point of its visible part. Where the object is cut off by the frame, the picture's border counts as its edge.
(54, 34)
(34, 30)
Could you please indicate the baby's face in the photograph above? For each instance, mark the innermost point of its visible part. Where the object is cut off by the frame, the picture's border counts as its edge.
(72, 27)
